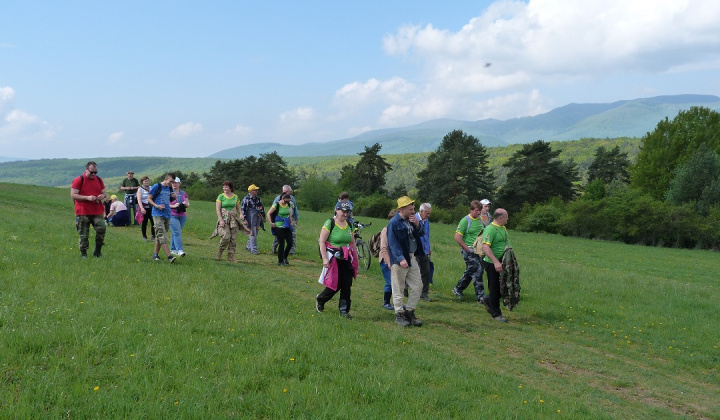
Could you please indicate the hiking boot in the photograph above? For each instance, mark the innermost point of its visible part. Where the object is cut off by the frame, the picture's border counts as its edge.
(401, 319)
(281, 263)
(483, 301)
(345, 315)
(286, 262)
(171, 259)
(500, 318)
(231, 258)
(83, 253)
(156, 257)
(457, 293)
(319, 305)
(410, 316)
(218, 257)
(97, 252)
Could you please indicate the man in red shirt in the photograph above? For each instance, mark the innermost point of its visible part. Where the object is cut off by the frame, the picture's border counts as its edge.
(88, 191)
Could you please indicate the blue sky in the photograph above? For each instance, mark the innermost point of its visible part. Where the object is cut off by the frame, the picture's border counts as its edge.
(187, 78)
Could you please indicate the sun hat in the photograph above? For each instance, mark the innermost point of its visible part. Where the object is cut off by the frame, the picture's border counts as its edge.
(253, 187)
(113, 197)
(404, 201)
(485, 202)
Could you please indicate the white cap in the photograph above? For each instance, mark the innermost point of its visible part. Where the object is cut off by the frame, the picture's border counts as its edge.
(484, 201)
(177, 180)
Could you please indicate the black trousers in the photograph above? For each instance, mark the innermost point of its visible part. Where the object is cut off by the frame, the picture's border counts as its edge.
(285, 242)
(493, 298)
(345, 281)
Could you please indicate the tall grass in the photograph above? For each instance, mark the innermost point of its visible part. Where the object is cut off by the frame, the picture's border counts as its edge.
(603, 330)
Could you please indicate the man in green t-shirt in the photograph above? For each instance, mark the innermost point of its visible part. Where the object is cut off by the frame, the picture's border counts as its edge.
(130, 187)
(494, 241)
(467, 231)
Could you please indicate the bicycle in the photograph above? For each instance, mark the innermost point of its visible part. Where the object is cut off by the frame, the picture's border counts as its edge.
(363, 250)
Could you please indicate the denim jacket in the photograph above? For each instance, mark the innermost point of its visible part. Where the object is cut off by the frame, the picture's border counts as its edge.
(399, 240)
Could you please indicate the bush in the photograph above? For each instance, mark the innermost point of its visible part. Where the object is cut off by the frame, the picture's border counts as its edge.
(316, 194)
(582, 219)
(542, 218)
(375, 205)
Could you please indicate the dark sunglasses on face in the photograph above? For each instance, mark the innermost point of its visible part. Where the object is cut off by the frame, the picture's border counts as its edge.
(93, 172)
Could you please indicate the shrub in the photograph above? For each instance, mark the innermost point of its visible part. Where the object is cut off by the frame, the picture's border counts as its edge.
(543, 218)
(376, 205)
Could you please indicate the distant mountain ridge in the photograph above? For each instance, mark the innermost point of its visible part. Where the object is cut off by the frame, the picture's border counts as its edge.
(627, 118)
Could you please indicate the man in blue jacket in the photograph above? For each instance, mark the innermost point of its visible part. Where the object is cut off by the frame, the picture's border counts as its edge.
(404, 232)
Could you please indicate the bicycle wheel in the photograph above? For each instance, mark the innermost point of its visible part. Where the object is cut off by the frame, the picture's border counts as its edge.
(363, 255)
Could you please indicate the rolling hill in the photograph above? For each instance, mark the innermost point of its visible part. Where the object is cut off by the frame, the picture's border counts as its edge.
(629, 118)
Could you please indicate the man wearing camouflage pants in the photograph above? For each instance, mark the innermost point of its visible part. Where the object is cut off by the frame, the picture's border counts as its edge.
(88, 191)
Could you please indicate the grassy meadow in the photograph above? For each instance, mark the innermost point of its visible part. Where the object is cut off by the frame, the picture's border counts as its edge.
(603, 331)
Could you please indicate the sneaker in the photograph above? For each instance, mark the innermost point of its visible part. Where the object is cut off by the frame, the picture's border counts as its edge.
(83, 254)
(286, 262)
(173, 252)
(401, 319)
(156, 257)
(410, 316)
(457, 293)
(318, 305)
(388, 306)
(483, 302)
(171, 259)
(345, 315)
(500, 318)
(281, 263)
(181, 253)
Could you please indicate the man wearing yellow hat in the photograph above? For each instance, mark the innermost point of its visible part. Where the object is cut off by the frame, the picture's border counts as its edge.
(254, 213)
(404, 234)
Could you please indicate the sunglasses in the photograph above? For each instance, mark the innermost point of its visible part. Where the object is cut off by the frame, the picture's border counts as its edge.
(93, 172)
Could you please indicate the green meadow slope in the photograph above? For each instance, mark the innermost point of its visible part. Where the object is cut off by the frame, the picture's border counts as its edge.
(603, 330)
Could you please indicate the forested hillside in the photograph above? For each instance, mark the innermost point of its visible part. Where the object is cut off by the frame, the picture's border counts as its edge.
(59, 172)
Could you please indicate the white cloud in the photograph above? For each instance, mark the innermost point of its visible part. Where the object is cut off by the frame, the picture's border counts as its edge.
(300, 114)
(21, 134)
(374, 90)
(496, 65)
(240, 130)
(186, 130)
(564, 37)
(115, 137)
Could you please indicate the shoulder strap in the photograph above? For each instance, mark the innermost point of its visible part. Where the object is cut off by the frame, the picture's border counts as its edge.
(467, 228)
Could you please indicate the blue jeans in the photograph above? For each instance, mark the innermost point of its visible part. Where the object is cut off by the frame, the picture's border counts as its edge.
(176, 225)
(386, 275)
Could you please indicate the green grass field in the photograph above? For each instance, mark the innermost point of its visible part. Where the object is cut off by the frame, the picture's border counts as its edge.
(603, 331)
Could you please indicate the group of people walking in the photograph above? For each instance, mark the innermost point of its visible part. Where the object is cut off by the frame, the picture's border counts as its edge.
(405, 251)
(164, 206)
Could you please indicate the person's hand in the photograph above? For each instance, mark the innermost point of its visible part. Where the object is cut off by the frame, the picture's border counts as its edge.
(470, 251)
(404, 264)
(498, 266)
(142, 210)
(160, 206)
(414, 220)
(326, 263)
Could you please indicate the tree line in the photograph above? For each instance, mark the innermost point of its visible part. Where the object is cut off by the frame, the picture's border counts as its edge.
(669, 196)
